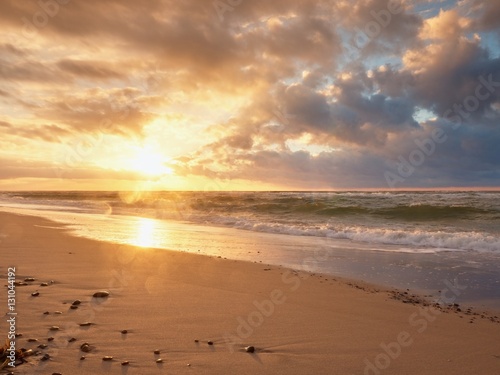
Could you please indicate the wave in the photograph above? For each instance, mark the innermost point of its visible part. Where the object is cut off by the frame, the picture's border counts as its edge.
(468, 221)
(431, 212)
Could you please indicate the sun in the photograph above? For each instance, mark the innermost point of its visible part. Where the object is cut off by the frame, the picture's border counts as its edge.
(150, 163)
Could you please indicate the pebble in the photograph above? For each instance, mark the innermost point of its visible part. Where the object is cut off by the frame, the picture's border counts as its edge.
(44, 284)
(250, 349)
(19, 335)
(107, 358)
(86, 324)
(76, 302)
(82, 358)
(125, 363)
(85, 347)
(101, 294)
(72, 339)
(50, 339)
(54, 328)
(35, 294)
(73, 307)
(46, 313)
(42, 346)
(196, 341)
(32, 340)
(29, 279)
(159, 360)
(124, 331)
(157, 351)
(210, 342)
(20, 283)
(45, 357)
(58, 312)
(56, 373)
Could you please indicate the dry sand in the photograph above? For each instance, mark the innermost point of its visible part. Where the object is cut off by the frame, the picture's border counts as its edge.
(297, 322)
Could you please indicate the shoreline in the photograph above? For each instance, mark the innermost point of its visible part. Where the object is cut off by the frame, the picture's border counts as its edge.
(298, 322)
(423, 272)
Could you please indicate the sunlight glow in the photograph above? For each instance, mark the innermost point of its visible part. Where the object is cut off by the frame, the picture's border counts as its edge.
(150, 163)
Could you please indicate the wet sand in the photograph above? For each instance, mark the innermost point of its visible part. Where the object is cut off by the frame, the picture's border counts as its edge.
(173, 302)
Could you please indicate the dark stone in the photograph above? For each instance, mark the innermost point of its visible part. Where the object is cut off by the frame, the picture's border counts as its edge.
(210, 342)
(157, 351)
(35, 294)
(125, 363)
(250, 349)
(101, 294)
(45, 357)
(76, 302)
(107, 358)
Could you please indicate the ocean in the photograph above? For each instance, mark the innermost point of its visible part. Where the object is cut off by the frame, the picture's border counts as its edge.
(402, 239)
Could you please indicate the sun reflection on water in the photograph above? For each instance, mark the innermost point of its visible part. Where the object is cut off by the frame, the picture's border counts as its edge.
(145, 233)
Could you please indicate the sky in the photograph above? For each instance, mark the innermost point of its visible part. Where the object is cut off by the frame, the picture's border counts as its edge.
(249, 94)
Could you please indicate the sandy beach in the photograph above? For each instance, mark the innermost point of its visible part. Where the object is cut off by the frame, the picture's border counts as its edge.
(201, 313)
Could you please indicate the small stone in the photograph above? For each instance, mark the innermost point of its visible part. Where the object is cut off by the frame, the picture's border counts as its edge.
(86, 324)
(44, 284)
(76, 302)
(85, 347)
(159, 360)
(189, 364)
(35, 294)
(56, 373)
(157, 351)
(72, 339)
(32, 340)
(82, 358)
(46, 313)
(250, 349)
(101, 294)
(210, 342)
(54, 328)
(73, 307)
(42, 346)
(107, 358)
(125, 363)
(58, 312)
(45, 357)
(50, 339)
(27, 353)
(124, 331)
(196, 341)
(20, 283)
(19, 335)
(29, 279)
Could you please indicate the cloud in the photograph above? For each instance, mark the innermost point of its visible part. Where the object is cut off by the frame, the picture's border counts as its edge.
(299, 93)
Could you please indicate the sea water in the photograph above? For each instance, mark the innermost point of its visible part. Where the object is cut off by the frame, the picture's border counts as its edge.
(402, 239)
